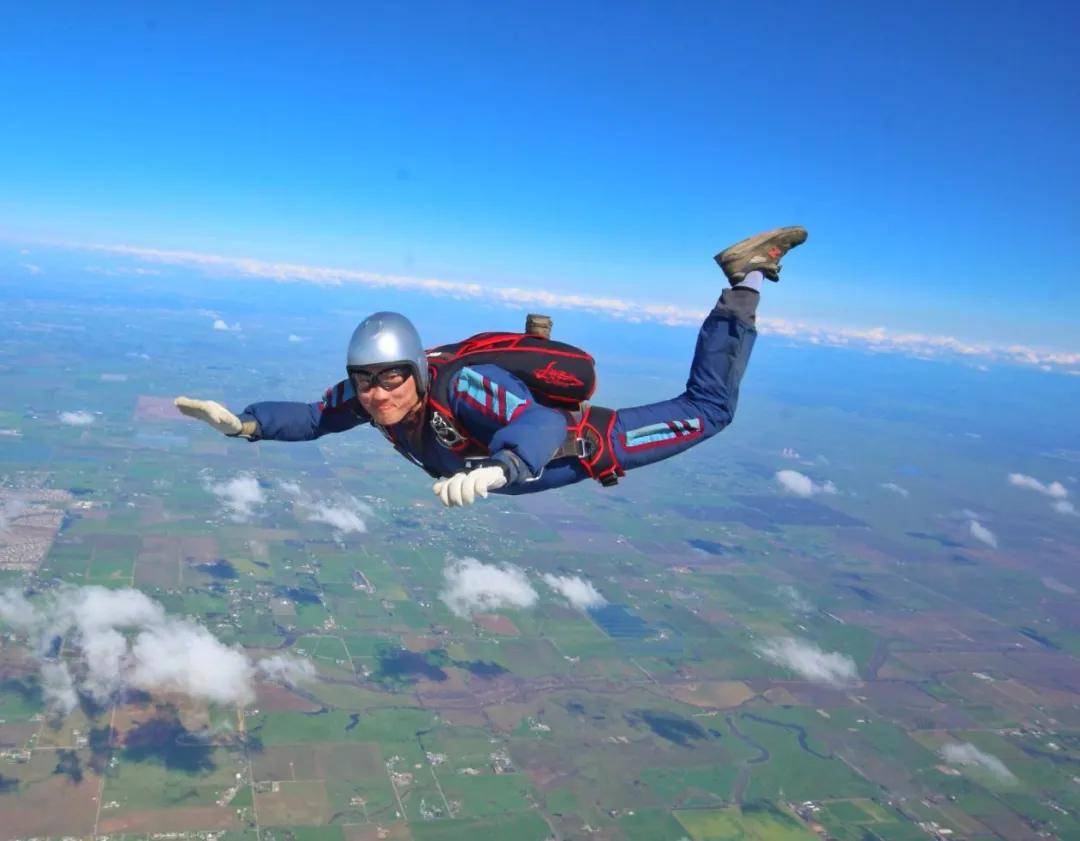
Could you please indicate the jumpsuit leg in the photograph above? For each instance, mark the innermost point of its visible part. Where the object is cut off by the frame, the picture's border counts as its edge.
(650, 433)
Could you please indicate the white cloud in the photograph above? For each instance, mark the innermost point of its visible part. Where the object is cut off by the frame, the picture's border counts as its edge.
(794, 599)
(472, 586)
(576, 590)
(1054, 490)
(896, 489)
(287, 669)
(969, 756)
(176, 655)
(294, 338)
(343, 517)
(1057, 586)
(16, 611)
(79, 418)
(794, 482)
(58, 687)
(1063, 506)
(221, 324)
(983, 534)
(344, 512)
(114, 378)
(806, 659)
(31, 268)
(877, 339)
(239, 496)
(122, 639)
(122, 271)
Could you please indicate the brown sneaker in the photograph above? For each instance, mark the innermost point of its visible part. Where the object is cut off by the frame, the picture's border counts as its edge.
(761, 252)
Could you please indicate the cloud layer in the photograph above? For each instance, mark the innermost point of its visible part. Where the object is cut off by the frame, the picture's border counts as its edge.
(576, 590)
(1055, 490)
(794, 482)
(982, 534)
(969, 756)
(877, 339)
(794, 599)
(806, 659)
(79, 418)
(239, 496)
(472, 587)
(114, 640)
(343, 513)
(286, 669)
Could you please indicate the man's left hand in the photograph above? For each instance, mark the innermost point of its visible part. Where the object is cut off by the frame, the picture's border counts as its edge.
(462, 488)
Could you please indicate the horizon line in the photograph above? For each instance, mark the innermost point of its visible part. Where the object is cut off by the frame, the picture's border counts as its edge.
(877, 339)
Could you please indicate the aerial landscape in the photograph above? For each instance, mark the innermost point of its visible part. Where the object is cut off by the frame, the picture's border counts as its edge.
(852, 615)
(852, 618)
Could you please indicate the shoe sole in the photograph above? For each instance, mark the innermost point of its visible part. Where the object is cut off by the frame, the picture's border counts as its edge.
(793, 235)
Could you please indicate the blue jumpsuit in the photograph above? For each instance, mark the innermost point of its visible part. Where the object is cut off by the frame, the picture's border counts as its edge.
(498, 410)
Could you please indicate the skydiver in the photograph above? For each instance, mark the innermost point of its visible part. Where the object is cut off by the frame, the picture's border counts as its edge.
(492, 434)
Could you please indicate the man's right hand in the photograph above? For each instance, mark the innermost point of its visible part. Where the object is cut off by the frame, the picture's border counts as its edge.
(212, 413)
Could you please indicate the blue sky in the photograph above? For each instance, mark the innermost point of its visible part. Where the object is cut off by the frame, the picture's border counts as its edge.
(607, 148)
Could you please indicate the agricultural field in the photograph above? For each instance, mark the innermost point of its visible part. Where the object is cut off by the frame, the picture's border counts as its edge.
(745, 663)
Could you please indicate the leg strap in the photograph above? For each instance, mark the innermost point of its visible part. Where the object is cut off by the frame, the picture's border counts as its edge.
(588, 438)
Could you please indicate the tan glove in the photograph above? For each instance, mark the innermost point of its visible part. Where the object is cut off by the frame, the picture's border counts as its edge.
(463, 488)
(216, 415)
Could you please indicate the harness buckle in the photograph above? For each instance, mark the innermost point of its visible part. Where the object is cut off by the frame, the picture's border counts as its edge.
(446, 433)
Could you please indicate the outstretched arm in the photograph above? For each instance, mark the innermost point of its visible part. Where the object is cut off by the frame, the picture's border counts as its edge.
(497, 409)
(338, 411)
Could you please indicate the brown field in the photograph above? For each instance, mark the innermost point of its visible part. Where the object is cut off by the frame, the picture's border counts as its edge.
(414, 642)
(163, 561)
(129, 716)
(496, 624)
(48, 803)
(377, 832)
(1050, 698)
(59, 733)
(50, 806)
(301, 803)
(276, 698)
(159, 409)
(713, 694)
(153, 572)
(805, 694)
(191, 818)
(317, 762)
(506, 717)
(14, 734)
(781, 697)
(462, 718)
(720, 618)
(927, 628)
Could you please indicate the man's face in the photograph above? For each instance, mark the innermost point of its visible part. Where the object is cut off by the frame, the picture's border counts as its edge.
(390, 406)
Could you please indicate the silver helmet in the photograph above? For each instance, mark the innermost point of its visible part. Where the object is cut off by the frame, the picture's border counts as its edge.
(385, 338)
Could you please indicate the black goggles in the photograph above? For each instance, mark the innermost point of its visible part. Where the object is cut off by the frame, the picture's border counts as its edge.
(387, 379)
